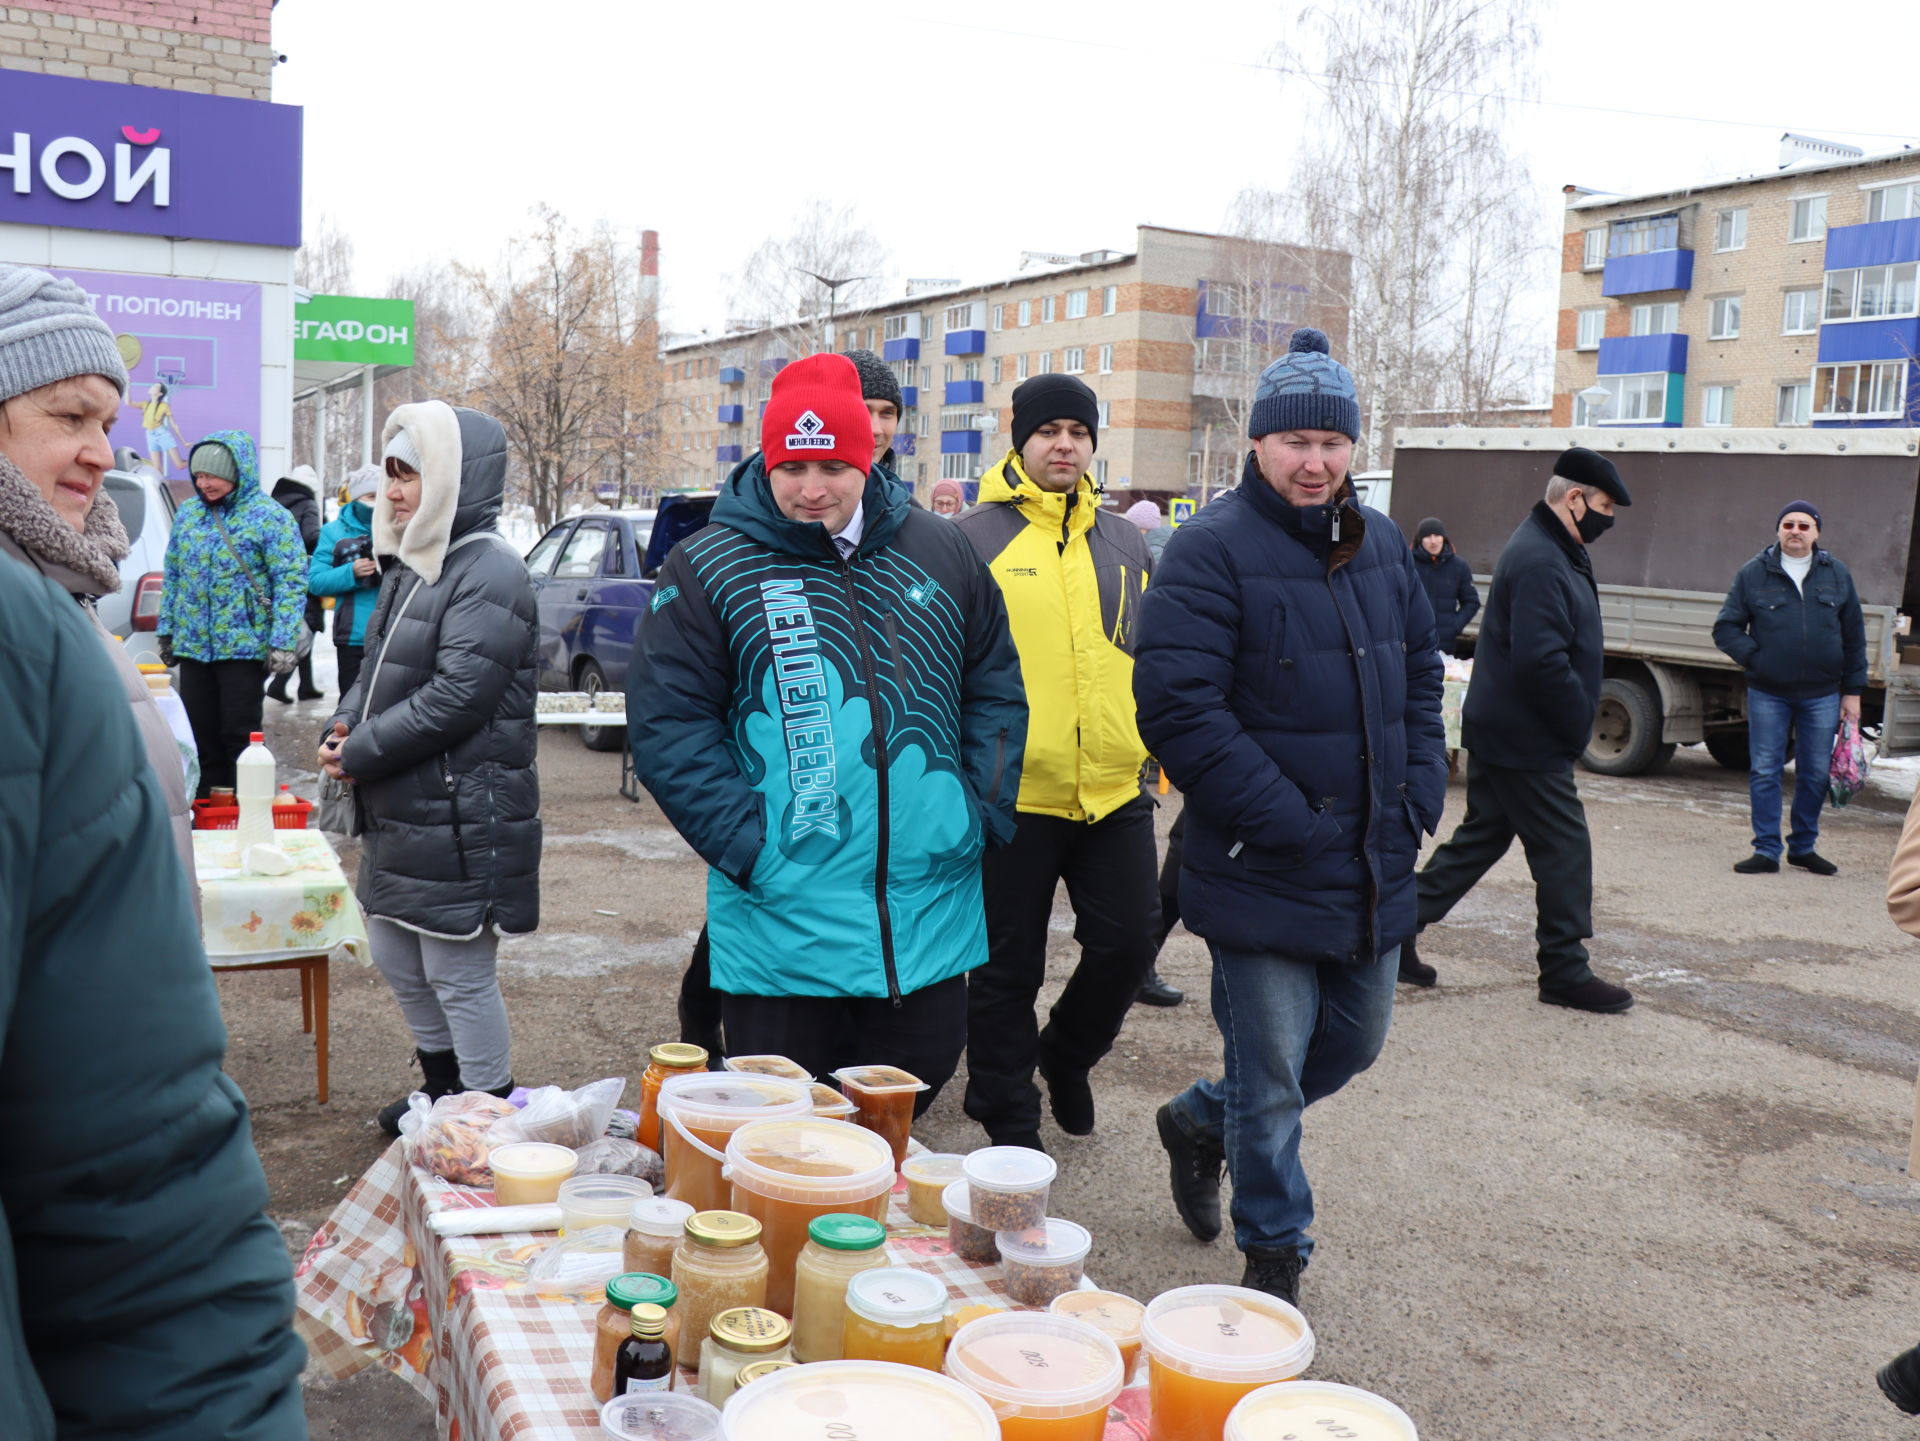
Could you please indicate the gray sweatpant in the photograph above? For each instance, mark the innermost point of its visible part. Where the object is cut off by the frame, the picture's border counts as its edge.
(449, 993)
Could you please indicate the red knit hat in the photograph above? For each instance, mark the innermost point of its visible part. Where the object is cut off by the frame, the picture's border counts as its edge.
(815, 412)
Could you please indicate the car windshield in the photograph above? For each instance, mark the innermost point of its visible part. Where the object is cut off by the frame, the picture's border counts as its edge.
(131, 499)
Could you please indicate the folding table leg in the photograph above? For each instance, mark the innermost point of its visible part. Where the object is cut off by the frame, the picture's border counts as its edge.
(306, 999)
(317, 969)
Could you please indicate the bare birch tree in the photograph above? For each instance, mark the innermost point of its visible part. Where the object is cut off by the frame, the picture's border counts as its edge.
(1410, 173)
(784, 284)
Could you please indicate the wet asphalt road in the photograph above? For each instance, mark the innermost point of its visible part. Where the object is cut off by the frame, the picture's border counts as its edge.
(1692, 1220)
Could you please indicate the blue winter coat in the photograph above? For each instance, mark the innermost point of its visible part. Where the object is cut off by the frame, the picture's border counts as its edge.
(1287, 680)
(353, 606)
(838, 739)
(214, 607)
(1792, 644)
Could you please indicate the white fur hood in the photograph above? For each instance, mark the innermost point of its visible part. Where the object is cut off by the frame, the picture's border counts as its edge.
(422, 546)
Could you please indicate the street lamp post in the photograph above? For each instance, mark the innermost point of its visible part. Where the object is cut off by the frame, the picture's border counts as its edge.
(1596, 398)
(833, 293)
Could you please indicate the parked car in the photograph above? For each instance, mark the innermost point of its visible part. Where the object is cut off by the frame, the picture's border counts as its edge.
(593, 578)
(146, 510)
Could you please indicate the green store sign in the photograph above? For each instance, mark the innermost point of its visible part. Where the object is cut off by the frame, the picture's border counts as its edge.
(354, 330)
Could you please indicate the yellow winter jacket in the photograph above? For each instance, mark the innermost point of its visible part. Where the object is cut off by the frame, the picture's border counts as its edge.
(1072, 577)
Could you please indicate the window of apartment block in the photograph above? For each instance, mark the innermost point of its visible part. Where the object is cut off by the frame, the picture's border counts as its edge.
(1661, 317)
(970, 370)
(1716, 405)
(1723, 318)
(1593, 250)
(999, 317)
(1076, 304)
(1110, 300)
(956, 467)
(1800, 312)
(1644, 235)
(1102, 409)
(1730, 230)
(964, 317)
(1635, 399)
(926, 377)
(1894, 202)
(996, 370)
(1100, 473)
(1045, 366)
(903, 327)
(1872, 390)
(1793, 404)
(946, 373)
(1870, 293)
(1046, 310)
(1026, 312)
(1589, 325)
(1075, 360)
(1106, 360)
(1809, 219)
(1020, 366)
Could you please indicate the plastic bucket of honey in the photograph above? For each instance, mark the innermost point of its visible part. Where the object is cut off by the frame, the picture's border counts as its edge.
(699, 1111)
(1207, 1347)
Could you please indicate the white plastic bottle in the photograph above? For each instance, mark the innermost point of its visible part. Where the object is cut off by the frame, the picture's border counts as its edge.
(253, 787)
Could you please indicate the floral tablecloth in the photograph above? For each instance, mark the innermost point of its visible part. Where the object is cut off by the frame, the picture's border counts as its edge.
(309, 911)
(456, 1317)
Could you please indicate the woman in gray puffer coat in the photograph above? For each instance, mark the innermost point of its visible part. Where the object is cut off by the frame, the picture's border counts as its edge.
(437, 736)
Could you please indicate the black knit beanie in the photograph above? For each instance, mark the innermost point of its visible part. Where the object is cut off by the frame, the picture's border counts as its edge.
(877, 380)
(1430, 526)
(1053, 397)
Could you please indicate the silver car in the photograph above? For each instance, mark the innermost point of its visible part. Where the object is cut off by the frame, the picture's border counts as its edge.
(146, 510)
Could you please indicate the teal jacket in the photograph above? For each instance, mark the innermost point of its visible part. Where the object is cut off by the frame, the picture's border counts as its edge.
(143, 1292)
(354, 598)
(210, 606)
(838, 739)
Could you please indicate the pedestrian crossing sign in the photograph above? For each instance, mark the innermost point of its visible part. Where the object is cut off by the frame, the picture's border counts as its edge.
(1180, 509)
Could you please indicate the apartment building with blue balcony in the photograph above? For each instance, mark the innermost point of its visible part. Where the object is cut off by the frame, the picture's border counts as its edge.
(1781, 298)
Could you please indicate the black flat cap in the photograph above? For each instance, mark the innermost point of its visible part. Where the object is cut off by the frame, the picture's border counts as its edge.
(1593, 471)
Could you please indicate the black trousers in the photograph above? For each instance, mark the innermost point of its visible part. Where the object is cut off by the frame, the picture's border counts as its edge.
(223, 700)
(924, 1034)
(1170, 881)
(699, 1004)
(349, 657)
(1543, 809)
(1108, 866)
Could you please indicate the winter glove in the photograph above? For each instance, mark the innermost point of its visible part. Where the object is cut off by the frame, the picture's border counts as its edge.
(282, 662)
(166, 649)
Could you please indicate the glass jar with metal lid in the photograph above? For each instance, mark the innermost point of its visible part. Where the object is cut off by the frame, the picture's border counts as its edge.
(738, 1338)
(719, 1266)
(671, 1058)
(758, 1369)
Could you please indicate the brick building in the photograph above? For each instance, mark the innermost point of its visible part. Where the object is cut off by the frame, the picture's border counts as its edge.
(1781, 298)
(209, 47)
(1149, 330)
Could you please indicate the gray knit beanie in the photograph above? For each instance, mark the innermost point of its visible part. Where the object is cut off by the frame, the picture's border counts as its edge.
(212, 458)
(49, 332)
(877, 380)
(1305, 389)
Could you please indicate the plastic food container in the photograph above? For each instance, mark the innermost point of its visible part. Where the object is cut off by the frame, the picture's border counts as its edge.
(529, 1173)
(868, 1400)
(831, 1103)
(1317, 1408)
(1117, 1317)
(699, 1112)
(928, 1176)
(599, 1201)
(883, 1096)
(1009, 1186)
(896, 1315)
(654, 1229)
(659, 1416)
(767, 1066)
(1044, 1261)
(966, 1240)
(787, 1172)
(1209, 1346)
(1048, 1378)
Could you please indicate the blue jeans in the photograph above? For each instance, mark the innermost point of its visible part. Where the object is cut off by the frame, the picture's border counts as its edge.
(1293, 1032)
(1814, 722)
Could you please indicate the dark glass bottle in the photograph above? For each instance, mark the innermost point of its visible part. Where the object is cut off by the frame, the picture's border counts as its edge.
(644, 1361)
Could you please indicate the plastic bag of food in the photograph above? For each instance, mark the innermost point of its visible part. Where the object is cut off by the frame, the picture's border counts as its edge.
(1852, 764)
(451, 1136)
(562, 1117)
(616, 1156)
(580, 1264)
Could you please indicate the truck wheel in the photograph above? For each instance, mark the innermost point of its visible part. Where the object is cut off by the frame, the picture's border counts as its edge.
(1729, 747)
(1626, 731)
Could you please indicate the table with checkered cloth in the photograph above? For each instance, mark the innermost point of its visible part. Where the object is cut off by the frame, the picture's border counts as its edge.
(456, 1317)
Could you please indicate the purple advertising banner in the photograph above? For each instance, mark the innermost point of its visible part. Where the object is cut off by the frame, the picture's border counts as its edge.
(192, 349)
(130, 158)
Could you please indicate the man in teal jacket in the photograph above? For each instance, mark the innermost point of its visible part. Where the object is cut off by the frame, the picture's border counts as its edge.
(143, 1291)
(826, 703)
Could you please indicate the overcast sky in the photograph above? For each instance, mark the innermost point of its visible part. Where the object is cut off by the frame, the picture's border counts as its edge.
(966, 134)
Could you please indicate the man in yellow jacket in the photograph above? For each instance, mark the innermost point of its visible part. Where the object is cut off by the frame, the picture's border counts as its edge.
(1072, 577)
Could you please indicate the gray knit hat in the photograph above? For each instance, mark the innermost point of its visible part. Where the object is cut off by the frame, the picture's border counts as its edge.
(402, 449)
(1305, 389)
(49, 331)
(877, 380)
(212, 458)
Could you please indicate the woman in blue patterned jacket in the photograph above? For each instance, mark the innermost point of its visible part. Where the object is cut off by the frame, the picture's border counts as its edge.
(232, 602)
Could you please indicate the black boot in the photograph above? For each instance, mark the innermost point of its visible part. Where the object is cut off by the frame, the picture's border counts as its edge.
(1900, 1379)
(1413, 970)
(1156, 992)
(439, 1076)
(1275, 1270)
(1196, 1171)
(277, 688)
(1069, 1096)
(308, 690)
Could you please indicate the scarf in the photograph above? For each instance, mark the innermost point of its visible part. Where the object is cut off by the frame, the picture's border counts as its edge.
(29, 520)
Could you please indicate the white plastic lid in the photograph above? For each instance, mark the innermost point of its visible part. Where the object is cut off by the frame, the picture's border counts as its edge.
(897, 1296)
(879, 1080)
(930, 1166)
(810, 1160)
(958, 1202)
(1227, 1333)
(722, 1100)
(603, 1195)
(1290, 1408)
(659, 1416)
(531, 1158)
(1010, 1168)
(829, 1400)
(1052, 1243)
(1036, 1367)
(660, 1216)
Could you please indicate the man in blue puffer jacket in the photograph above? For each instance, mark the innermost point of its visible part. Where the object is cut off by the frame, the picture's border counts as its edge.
(343, 567)
(825, 701)
(1287, 679)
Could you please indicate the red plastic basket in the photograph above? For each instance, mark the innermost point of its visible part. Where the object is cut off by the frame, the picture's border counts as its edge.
(290, 813)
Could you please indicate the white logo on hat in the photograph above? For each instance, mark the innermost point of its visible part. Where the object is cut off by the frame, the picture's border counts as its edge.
(808, 433)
